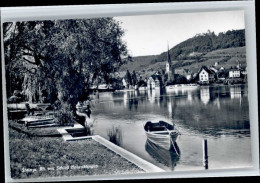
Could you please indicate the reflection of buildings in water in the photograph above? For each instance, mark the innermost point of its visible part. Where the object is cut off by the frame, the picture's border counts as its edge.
(133, 103)
(169, 106)
(125, 97)
(235, 92)
(128, 95)
(183, 91)
(205, 95)
(168, 158)
(158, 96)
(142, 92)
(154, 95)
(189, 96)
(151, 96)
(217, 103)
(182, 101)
(173, 91)
(135, 93)
(130, 100)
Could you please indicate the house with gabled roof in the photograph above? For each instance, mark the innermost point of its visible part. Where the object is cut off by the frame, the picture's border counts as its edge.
(206, 75)
(213, 69)
(154, 81)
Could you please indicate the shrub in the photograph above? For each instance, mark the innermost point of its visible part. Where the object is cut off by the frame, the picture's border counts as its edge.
(64, 115)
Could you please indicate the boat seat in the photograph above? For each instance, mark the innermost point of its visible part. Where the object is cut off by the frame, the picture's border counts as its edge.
(157, 128)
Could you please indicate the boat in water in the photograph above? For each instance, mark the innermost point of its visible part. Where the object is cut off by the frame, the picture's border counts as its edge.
(102, 88)
(161, 133)
(181, 86)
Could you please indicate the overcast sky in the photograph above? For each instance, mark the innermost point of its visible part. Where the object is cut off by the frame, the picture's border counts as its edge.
(148, 34)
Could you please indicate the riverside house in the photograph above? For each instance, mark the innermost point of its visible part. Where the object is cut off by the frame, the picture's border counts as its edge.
(234, 73)
(206, 75)
(154, 81)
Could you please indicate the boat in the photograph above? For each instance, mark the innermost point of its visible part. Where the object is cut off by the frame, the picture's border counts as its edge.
(142, 88)
(102, 88)
(181, 86)
(161, 133)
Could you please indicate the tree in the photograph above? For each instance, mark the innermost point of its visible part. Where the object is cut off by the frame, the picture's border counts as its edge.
(64, 57)
(128, 78)
(134, 78)
(180, 80)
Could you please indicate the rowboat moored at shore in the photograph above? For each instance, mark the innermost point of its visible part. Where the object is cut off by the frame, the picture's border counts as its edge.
(161, 133)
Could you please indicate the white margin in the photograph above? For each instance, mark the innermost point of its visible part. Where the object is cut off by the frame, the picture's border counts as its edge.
(90, 11)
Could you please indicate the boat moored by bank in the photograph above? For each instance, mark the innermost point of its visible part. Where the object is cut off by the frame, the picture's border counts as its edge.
(161, 133)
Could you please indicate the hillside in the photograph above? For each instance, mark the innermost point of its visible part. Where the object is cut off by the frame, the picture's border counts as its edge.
(139, 62)
(204, 43)
(207, 49)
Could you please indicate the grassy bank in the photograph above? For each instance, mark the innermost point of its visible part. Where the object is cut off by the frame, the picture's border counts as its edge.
(33, 156)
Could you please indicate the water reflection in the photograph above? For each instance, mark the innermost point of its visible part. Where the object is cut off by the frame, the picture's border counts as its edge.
(199, 110)
(205, 95)
(219, 113)
(168, 158)
(235, 92)
(154, 95)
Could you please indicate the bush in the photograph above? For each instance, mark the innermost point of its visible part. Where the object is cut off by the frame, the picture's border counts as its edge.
(64, 116)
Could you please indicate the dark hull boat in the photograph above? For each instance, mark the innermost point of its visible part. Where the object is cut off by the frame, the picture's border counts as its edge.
(161, 133)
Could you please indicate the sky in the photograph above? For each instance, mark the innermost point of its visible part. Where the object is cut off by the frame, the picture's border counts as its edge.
(149, 34)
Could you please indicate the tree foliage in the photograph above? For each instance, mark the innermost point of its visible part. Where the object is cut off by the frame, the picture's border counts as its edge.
(134, 78)
(62, 58)
(128, 78)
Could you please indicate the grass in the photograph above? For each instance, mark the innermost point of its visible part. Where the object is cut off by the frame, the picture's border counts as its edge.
(33, 156)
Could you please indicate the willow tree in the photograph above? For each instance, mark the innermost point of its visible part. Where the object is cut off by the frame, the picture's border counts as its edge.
(27, 45)
(66, 56)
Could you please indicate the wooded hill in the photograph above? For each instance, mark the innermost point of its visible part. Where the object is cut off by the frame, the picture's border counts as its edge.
(207, 48)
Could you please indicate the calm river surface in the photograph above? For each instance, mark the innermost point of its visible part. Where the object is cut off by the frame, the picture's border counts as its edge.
(219, 114)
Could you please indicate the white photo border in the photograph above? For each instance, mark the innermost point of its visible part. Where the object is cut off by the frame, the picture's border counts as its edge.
(113, 10)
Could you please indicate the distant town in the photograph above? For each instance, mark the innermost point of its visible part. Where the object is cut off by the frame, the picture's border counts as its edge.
(206, 75)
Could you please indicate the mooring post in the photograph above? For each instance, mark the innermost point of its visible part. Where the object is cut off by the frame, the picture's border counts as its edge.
(205, 153)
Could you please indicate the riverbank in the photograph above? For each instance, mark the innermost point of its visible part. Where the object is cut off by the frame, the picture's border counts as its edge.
(32, 156)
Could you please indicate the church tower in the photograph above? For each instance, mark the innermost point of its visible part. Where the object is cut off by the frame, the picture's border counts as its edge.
(169, 68)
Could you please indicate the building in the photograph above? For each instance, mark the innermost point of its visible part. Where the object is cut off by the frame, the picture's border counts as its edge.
(206, 75)
(234, 73)
(169, 67)
(154, 81)
(221, 68)
(244, 71)
(213, 69)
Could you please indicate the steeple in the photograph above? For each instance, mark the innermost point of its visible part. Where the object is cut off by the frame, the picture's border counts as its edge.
(168, 63)
(168, 55)
(169, 68)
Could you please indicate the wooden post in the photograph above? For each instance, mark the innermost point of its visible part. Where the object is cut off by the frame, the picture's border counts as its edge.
(205, 153)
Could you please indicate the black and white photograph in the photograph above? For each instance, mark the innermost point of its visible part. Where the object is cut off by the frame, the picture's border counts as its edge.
(127, 95)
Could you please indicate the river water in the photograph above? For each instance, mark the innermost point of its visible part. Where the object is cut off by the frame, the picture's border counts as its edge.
(219, 114)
